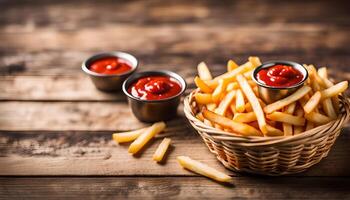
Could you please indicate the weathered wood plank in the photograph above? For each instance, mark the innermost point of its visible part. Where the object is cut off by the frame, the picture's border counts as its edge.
(85, 153)
(66, 116)
(53, 88)
(174, 188)
(67, 63)
(181, 38)
(79, 14)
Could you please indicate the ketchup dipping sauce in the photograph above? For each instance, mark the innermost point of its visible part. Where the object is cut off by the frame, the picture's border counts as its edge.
(278, 79)
(109, 70)
(154, 96)
(155, 87)
(110, 65)
(280, 75)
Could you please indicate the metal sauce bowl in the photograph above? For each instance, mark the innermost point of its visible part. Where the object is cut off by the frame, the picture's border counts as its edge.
(154, 110)
(270, 94)
(109, 82)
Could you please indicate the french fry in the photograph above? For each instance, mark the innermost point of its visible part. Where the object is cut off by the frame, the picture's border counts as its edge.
(244, 117)
(204, 72)
(202, 85)
(146, 136)
(255, 61)
(248, 74)
(127, 136)
(161, 150)
(313, 102)
(316, 83)
(288, 128)
(240, 104)
(287, 100)
(200, 168)
(231, 76)
(291, 107)
(286, 118)
(322, 72)
(240, 128)
(219, 91)
(299, 129)
(272, 131)
(231, 65)
(232, 86)
(328, 108)
(335, 90)
(202, 98)
(253, 100)
(317, 118)
(225, 103)
(211, 106)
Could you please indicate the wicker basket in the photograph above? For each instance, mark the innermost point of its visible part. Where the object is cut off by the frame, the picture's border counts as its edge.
(269, 155)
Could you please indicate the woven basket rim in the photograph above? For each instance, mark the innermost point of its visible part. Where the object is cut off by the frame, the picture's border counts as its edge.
(224, 136)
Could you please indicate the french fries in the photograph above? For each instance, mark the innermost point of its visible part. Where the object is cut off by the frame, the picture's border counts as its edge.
(240, 104)
(244, 117)
(241, 128)
(288, 100)
(218, 92)
(127, 136)
(161, 150)
(334, 90)
(146, 136)
(203, 71)
(205, 170)
(288, 128)
(225, 103)
(231, 65)
(202, 85)
(313, 102)
(231, 102)
(286, 118)
(253, 100)
(317, 118)
(203, 98)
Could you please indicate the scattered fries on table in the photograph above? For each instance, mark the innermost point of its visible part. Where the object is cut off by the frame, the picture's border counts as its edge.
(231, 102)
(161, 150)
(146, 136)
(203, 169)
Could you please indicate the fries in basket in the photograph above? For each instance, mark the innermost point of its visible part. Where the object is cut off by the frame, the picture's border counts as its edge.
(233, 102)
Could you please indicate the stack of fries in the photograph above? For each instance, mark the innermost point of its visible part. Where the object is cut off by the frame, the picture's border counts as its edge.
(231, 102)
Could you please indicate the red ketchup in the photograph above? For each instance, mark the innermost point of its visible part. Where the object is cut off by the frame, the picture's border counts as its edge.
(155, 88)
(280, 76)
(110, 65)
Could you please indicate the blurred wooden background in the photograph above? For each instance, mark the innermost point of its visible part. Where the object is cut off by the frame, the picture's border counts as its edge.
(55, 127)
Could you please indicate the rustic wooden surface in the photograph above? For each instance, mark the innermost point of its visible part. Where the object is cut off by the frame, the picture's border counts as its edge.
(55, 127)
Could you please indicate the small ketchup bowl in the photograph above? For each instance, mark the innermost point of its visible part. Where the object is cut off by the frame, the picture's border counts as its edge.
(109, 70)
(277, 79)
(154, 95)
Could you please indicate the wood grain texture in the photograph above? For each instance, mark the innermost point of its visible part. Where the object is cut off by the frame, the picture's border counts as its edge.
(86, 13)
(175, 188)
(85, 153)
(268, 38)
(67, 116)
(54, 124)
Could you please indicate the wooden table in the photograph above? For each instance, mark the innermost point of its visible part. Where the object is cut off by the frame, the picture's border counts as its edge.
(55, 127)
